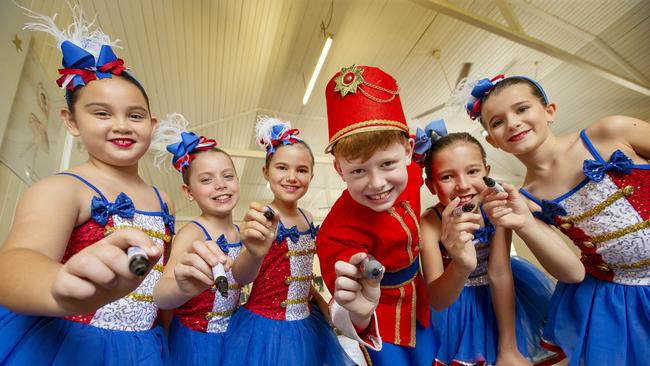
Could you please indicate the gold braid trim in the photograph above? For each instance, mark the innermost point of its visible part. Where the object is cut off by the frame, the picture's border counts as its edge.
(397, 217)
(413, 315)
(300, 278)
(299, 300)
(623, 192)
(158, 267)
(639, 264)
(214, 314)
(152, 233)
(409, 209)
(398, 314)
(382, 123)
(140, 297)
(296, 253)
(618, 233)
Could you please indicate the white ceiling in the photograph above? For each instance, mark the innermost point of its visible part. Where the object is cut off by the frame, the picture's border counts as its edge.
(221, 63)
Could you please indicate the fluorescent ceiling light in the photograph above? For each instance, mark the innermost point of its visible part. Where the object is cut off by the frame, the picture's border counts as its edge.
(319, 66)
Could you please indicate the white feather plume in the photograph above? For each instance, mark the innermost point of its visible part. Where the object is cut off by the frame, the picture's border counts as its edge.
(82, 33)
(461, 96)
(264, 127)
(168, 131)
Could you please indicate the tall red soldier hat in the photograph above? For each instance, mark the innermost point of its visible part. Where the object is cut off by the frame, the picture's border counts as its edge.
(362, 99)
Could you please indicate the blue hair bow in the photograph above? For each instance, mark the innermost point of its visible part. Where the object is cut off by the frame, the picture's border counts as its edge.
(282, 136)
(183, 149)
(82, 66)
(595, 170)
(483, 87)
(100, 209)
(424, 139)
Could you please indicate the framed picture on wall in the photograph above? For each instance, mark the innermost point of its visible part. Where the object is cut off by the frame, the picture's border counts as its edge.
(33, 140)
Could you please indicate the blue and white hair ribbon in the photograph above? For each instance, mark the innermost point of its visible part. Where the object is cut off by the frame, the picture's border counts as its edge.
(424, 139)
(273, 132)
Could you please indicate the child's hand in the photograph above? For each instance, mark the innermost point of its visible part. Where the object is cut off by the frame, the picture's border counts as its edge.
(99, 274)
(193, 271)
(357, 294)
(507, 209)
(512, 358)
(456, 235)
(258, 232)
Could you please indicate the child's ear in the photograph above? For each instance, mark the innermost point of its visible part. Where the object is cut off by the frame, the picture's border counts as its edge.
(337, 167)
(154, 122)
(550, 110)
(489, 139)
(409, 151)
(69, 122)
(487, 170)
(187, 192)
(265, 173)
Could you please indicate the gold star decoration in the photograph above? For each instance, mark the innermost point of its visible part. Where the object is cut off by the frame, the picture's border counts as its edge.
(349, 80)
(18, 43)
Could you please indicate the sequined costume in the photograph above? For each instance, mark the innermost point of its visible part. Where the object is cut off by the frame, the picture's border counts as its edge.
(197, 332)
(605, 319)
(123, 332)
(278, 325)
(393, 238)
(468, 330)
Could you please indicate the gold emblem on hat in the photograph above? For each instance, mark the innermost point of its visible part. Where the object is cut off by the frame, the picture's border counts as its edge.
(349, 80)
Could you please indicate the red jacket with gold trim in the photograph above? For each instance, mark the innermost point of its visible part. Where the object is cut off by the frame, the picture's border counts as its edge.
(393, 238)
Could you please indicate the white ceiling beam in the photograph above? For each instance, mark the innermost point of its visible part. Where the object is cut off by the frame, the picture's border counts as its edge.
(589, 37)
(491, 26)
(509, 16)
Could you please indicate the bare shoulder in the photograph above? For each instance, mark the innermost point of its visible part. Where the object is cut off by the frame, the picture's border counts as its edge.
(430, 219)
(308, 214)
(616, 126)
(167, 199)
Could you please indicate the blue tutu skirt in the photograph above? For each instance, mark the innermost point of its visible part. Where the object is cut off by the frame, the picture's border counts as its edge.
(598, 322)
(191, 347)
(38, 340)
(423, 353)
(468, 331)
(255, 340)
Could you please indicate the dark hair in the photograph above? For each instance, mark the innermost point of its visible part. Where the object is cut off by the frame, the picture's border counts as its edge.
(72, 95)
(441, 143)
(267, 161)
(185, 174)
(515, 80)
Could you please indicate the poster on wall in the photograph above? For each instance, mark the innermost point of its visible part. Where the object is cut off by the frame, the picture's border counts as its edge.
(33, 140)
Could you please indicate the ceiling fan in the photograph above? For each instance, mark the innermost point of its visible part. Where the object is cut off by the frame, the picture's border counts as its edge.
(464, 71)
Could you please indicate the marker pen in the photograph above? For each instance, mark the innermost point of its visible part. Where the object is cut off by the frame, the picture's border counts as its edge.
(467, 207)
(371, 268)
(269, 213)
(220, 280)
(493, 185)
(138, 260)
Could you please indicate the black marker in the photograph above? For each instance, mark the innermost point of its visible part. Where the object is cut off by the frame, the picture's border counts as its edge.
(493, 185)
(138, 260)
(220, 280)
(269, 213)
(371, 268)
(467, 207)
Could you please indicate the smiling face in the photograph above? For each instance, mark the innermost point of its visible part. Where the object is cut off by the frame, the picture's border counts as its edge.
(516, 120)
(289, 172)
(213, 183)
(377, 182)
(457, 170)
(112, 118)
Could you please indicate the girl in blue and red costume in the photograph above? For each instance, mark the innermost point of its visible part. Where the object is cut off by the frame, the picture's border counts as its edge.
(603, 206)
(196, 336)
(279, 325)
(68, 294)
(495, 320)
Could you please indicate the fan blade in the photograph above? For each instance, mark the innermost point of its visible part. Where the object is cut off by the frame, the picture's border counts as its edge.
(464, 71)
(430, 111)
